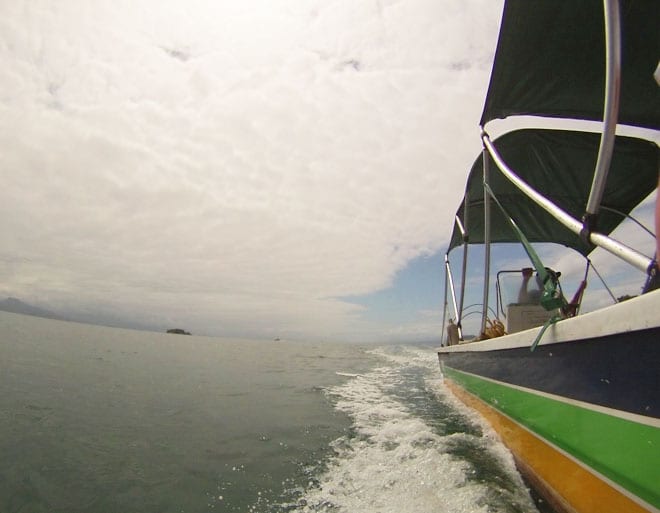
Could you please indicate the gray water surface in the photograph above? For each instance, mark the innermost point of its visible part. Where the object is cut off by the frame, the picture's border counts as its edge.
(102, 420)
(96, 419)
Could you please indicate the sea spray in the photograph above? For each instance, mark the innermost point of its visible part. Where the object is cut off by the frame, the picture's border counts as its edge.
(413, 448)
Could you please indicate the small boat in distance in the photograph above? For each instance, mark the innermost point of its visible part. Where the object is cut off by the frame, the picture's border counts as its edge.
(575, 396)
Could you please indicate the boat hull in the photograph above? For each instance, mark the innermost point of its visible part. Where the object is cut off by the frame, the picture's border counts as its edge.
(581, 413)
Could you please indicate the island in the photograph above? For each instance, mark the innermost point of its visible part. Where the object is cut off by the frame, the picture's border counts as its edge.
(179, 331)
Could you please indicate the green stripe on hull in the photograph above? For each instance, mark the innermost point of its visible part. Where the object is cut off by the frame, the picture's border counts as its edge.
(624, 451)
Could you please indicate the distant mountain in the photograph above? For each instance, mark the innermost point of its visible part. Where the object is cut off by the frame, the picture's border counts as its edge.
(13, 305)
(99, 318)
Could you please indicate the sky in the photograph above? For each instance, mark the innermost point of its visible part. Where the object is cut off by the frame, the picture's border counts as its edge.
(264, 169)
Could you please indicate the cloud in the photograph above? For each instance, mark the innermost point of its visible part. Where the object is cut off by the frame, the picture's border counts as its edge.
(233, 166)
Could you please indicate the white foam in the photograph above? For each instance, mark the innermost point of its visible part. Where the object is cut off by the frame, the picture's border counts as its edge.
(497, 448)
(397, 462)
(408, 356)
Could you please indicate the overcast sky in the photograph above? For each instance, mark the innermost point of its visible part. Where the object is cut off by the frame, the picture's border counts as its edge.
(235, 167)
(257, 168)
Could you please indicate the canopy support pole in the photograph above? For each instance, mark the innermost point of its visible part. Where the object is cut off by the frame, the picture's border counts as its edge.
(484, 316)
(450, 279)
(610, 112)
(444, 308)
(618, 249)
(464, 235)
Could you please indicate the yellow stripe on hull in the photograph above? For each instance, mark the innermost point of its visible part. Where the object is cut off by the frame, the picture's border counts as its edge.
(566, 485)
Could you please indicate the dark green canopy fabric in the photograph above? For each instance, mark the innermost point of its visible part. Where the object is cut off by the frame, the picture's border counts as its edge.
(550, 61)
(559, 164)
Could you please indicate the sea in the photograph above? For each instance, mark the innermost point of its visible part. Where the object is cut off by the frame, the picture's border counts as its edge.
(96, 419)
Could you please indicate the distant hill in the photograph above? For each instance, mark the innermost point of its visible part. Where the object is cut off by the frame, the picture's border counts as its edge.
(99, 318)
(13, 305)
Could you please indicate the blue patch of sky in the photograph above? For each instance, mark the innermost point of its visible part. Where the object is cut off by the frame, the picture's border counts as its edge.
(417, 288)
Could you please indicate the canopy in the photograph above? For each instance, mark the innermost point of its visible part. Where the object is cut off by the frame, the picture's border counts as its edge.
(559, 164)
(550, 61)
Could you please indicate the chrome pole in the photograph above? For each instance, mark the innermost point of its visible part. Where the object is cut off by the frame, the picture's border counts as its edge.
(611, 104)
(453, 292)
(484, 316)
(464, 234)
(620, 250)
(444, 309)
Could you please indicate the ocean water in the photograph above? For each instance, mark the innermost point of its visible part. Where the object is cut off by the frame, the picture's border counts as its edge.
(97, 419)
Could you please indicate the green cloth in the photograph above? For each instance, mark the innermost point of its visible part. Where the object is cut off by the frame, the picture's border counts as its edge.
(559, 164)
(550, 61)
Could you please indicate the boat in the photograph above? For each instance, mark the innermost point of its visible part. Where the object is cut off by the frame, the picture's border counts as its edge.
(574, 394)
